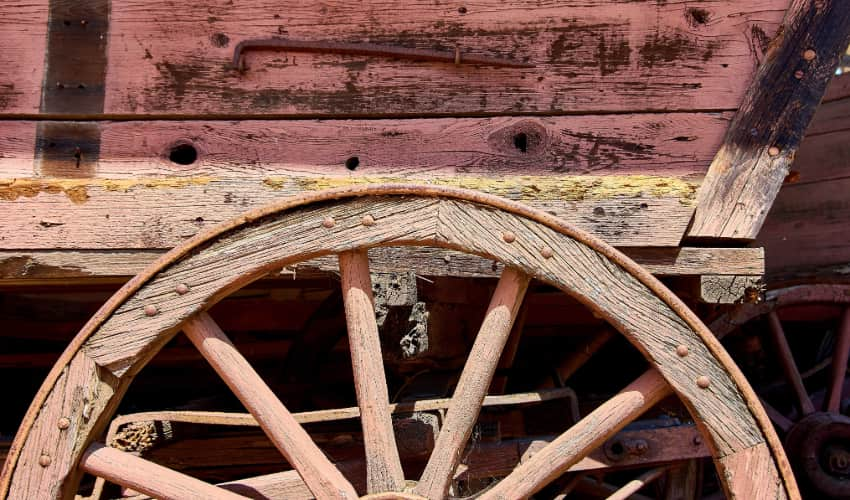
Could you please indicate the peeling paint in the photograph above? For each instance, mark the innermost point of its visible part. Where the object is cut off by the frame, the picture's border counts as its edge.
(77, 189)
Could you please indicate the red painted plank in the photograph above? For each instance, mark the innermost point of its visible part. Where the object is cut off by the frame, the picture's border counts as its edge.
(23, 38)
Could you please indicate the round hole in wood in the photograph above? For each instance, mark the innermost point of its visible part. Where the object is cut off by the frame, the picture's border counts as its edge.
(183, 153)
(352, 163)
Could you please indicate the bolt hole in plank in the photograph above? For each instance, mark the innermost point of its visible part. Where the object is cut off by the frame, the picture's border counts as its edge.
(352, 163)
(521, 142)
(183, 154)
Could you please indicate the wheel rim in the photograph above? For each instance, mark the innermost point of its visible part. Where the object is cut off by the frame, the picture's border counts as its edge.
(817, 434)
(104, 357)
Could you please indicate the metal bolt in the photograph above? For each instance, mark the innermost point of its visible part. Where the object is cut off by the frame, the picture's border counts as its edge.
(799, 74)
(641, 446)
(44, 460)
(809, 55)
(682, 351)
(447, 258)
(509, 237)
(367, 220)
(546, 252)
(703, 382)
(697, 440)
(328, 222)
(773, 151)
(63, 423)
(151, 310)
(181, 289)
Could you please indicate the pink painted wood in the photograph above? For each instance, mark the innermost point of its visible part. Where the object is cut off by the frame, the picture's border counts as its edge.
(23, 39)
(383, 466)
(474, 381)
(321, 476)
(143, 476)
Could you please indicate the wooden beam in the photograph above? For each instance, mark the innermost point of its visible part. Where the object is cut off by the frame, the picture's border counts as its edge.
(31, 267)
(761, 142)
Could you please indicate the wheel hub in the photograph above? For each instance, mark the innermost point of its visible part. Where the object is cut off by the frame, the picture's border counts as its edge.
(819, 447)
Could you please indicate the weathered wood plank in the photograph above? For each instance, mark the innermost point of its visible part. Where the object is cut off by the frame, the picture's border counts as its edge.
(747, 172)
(23, 36)
(18, 267)
(608, 55)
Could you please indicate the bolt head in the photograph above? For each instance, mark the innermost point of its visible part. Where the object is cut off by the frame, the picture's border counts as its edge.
(181, 289)
(367, 220)
(682, 351)
(329, 222)
(63, 423)
(799, 74)
(151, 310)
(703, 382)
(697, 440)
(809, 55)
(773, 151)
(44, 460)
(546, 252)
(508, 237)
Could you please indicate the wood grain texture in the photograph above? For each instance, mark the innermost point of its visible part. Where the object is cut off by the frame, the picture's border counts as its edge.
(383, 467)
(35, 267)
(748, 171)
(749, 476)
(473, 384)
(320, 475)
(140, 475)
(610, 55)
(580, 439)
(23, 37)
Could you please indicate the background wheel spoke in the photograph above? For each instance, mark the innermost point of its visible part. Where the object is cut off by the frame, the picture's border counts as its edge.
(582, 438)
(383, 465)
(147, 477)
(839, 363)
(320, 475)
(788, 364)
(474, 382)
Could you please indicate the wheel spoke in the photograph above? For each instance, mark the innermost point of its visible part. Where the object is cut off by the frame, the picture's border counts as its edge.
(637, 483)
(582, 438)
(839, 363)
(474, 382)
(320, 475)
(788, 364)
(141, 475)
(778, 418)
(383, 465)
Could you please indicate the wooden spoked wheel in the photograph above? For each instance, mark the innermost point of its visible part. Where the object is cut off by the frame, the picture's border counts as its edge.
(61, 436)
(807, 328)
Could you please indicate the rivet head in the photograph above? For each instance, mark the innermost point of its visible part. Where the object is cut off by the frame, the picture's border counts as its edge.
(773, 151)
(509, 237)
(181, 289)
(151, 310)
(328, 222)
(44, 460)
(799, 74)
(367, 220)
(697, 440)
(703, 382)
(546, 252)
(809, 55)
(682, 351)
(447, 258)
(63, 423)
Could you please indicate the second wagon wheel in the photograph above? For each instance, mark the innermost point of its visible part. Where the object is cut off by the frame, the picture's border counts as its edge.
(60, 440)
(795, 347)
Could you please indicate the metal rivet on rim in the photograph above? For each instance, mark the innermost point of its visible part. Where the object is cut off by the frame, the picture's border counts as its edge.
(44, 460)
(151, 310)
(328, 222)
(63, 423)
(682, 351)
(799, 74)
(546, 252)
(509, 237)
(773, 151)
(181, 289)
(809, 55)
(703, 382)
(367, 220)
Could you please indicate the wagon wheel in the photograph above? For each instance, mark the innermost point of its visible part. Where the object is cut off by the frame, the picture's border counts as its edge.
(58, 441)
(815, 424)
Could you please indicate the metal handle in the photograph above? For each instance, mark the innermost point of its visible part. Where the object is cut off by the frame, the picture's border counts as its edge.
(368, 49)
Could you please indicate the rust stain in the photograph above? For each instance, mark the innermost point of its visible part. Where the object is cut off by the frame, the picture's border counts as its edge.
(77, 190)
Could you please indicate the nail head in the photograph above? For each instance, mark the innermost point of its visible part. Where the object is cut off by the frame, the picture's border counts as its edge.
(367, 220)
(44, 460)
(181, 289)
(798, 74)
(546, 252)
(63, 423)
(151, 310)
(773, 151)
(682, 351)
(328, 222)
(509, 237)
(703, 382)
(809, 55)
